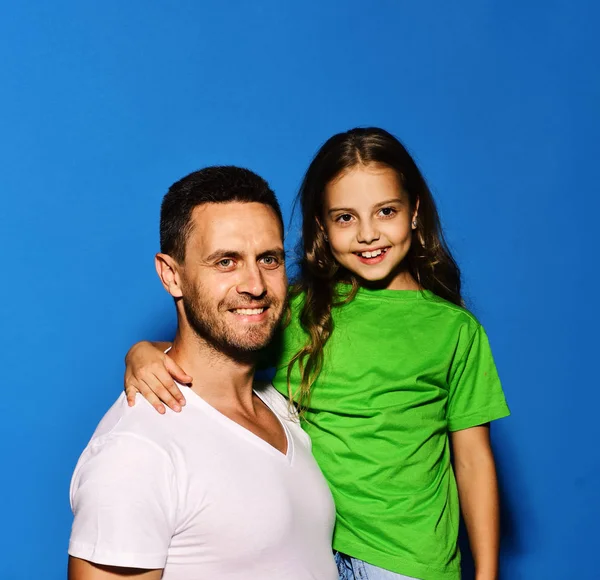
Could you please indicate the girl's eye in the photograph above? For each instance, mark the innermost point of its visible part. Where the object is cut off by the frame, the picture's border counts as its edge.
(387, 211)
(344, 218)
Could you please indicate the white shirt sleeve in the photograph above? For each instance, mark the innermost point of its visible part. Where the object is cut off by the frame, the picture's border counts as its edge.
(124, 499)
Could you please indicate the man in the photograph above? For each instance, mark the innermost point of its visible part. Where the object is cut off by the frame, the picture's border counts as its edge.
(228, 489)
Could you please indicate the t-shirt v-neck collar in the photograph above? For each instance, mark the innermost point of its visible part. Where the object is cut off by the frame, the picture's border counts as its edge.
(195, 399)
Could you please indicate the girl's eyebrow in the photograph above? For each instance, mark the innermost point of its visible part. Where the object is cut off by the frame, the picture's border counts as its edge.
(388, 201)
(334, 209)
(380, 204)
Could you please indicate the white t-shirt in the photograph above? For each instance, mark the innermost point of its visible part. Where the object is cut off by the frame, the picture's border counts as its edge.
(201, 496)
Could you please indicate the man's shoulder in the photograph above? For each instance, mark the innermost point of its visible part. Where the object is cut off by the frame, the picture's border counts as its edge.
(128, 443)
(140, 424)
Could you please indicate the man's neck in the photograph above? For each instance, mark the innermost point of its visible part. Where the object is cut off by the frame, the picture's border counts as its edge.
(218, 378)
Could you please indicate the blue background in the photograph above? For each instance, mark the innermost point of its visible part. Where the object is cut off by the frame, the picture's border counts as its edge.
(104, 105)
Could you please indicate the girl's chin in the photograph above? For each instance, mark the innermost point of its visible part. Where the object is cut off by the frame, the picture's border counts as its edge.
(375, 282)
(386, 280)
(370, 274)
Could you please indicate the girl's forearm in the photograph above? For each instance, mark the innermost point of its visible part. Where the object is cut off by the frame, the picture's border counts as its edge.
(478, 493)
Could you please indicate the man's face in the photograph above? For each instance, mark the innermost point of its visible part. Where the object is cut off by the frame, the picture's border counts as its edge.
(233, 278)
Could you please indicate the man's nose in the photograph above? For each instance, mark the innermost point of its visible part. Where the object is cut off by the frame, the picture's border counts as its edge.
(367, 232)
(252, 282)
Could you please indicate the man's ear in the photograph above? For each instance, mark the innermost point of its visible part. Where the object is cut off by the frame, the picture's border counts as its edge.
(168, 272)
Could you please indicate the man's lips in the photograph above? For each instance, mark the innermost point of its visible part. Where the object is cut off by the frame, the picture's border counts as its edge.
(251, 311)
(248, 311)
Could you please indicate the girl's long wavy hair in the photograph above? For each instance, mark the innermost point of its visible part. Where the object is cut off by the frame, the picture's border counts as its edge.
(429, 260)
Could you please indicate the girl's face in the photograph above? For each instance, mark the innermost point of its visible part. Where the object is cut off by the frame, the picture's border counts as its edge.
(368, 221)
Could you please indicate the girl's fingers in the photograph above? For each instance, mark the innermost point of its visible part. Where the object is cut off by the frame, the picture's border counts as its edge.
(155, 381)
(166, 390)
(167, 382)
(130, 392)
(176, 371)
(129, 381)
(150, 396)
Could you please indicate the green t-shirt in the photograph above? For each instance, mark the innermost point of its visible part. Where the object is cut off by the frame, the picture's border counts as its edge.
(401, 370)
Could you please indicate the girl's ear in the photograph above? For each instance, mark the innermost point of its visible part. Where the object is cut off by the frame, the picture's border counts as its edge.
(322, 228)
(415, 215)
(168, 272)
(415, 225)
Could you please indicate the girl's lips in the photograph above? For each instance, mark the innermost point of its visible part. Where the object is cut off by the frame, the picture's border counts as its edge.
(379, 257)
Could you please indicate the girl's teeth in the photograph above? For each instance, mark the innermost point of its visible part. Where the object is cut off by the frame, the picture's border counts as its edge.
(249, 311)
(372, 254)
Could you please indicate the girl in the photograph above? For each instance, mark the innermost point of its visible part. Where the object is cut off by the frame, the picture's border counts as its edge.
(387, 367)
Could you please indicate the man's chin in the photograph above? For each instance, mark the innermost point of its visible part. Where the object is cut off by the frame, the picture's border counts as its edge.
(251, 345)
(235, 338)
(248, 343)
(245, 350)
(246, 353)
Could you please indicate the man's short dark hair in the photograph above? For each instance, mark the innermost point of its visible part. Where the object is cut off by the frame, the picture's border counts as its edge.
(217, 184)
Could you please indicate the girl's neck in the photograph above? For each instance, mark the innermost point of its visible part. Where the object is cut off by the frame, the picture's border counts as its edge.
(399, 281)
(403, 281)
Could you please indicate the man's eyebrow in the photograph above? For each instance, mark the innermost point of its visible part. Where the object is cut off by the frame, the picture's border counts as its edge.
(221, 254)
(279, 253)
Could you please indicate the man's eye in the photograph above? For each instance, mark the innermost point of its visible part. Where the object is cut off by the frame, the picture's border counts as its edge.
(270, 261)
(225, 263)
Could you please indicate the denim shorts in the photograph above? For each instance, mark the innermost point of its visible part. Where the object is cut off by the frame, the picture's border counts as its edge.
(352, 569)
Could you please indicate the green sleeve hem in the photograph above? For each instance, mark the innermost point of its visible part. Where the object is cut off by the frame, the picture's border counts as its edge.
(478, 418)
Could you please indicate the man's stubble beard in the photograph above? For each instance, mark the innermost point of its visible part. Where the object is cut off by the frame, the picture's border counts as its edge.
(210, 326)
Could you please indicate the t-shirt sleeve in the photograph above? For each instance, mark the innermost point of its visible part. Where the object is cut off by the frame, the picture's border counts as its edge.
(123, 497)
(475, 394)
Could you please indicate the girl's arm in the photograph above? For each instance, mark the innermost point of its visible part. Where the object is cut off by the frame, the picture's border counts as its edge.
(151, 372)
(478, 492)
